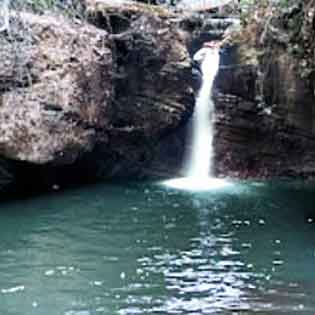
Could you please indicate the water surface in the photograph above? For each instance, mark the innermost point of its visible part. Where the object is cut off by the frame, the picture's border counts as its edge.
(144, 249)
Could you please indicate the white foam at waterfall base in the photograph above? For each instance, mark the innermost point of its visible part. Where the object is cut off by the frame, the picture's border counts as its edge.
(199, 167)
(195, 184)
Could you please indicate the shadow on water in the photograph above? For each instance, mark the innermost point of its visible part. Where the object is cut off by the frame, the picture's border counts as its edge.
(140, 248)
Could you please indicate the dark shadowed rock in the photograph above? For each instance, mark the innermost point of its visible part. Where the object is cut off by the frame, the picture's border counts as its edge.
(152, 83)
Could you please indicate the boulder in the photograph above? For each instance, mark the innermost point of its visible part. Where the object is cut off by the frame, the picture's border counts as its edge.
(56, 87)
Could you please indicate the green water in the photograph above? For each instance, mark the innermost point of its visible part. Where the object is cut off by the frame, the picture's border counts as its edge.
(145, 249)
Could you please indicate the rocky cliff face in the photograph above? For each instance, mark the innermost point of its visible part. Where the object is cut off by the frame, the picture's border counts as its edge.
(80, 101)
(152, 80)
(265, 97)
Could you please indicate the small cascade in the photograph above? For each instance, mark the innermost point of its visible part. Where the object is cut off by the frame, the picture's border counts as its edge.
(199, 168)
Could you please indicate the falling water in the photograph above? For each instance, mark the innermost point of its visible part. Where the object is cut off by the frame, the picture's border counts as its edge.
(199, 170)
(200, 162)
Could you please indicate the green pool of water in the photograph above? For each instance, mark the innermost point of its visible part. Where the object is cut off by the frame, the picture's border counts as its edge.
(248, 248)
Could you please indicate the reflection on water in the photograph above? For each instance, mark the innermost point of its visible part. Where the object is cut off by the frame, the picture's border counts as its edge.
(145, 249)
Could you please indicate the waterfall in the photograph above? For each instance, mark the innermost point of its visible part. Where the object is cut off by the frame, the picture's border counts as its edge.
(199, 169)
(200, 162)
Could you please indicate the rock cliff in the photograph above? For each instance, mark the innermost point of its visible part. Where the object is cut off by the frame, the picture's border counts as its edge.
(265, 96)
(80, 102)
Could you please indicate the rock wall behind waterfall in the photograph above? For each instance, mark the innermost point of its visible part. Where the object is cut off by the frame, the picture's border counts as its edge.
(265, 96)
